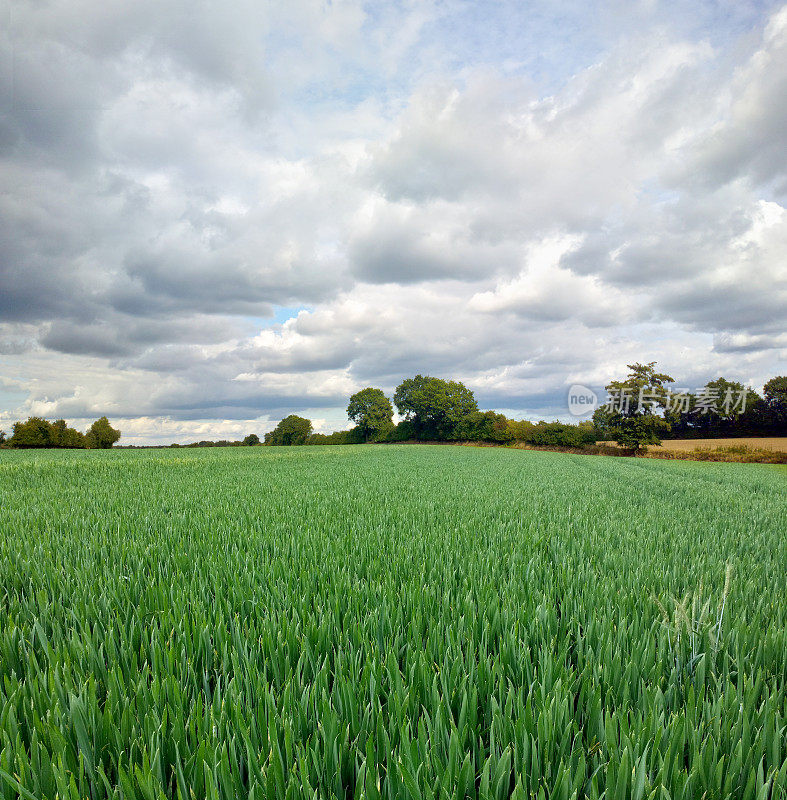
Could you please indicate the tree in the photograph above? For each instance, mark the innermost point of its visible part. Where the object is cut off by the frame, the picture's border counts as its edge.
(729, 398)
(775, 395)
(36, 432)
(251, 440)
(434, 406)
(643, 389)
(2, 437)
(63, 436)
(638, 431)
(292, 430)
(101, 435)
(605, 421)
(57, 432)
(73, 439)
(401, 432)
(720, 408)
(371, 411)
(631, 419)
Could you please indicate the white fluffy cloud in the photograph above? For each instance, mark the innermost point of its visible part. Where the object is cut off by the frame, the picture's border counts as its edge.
(417, 191)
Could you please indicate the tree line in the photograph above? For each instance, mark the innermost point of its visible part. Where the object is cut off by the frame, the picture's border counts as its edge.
(644, 409)
(433, 409)
(40, 433)
(248, 441)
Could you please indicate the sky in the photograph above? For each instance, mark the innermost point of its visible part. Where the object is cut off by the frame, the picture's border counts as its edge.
(214, 214)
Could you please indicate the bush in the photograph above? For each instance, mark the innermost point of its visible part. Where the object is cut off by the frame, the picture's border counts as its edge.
(403, 432)
(558, 434)
(520, 429)
(352, 436)
(742, 454)
(484, 426)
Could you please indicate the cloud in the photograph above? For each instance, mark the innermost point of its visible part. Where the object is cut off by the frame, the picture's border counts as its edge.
(408, 243)
(747, 140)
(517, 201)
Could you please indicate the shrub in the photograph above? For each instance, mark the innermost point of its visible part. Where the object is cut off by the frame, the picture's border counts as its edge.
(352, 436)
(558, 434)
(483, 426)
(403, 432)
(520, 429)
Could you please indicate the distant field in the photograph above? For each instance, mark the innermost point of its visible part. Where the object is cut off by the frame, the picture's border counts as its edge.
(400, 622)
(771, 443)
(776, 443)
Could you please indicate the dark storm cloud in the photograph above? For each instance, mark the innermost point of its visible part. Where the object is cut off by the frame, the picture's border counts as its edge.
(733, 307)
(128, 336)
(250, 405)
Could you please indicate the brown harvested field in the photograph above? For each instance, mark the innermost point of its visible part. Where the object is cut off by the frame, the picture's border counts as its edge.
(778, 443)
(749, 450)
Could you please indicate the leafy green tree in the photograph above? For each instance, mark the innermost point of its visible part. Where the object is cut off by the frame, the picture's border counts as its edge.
(604, 421)
(292, 430)
(434, 406)
(371, 411)
(74, 439)
(63, 436)
(643, 388)
(251, 440)
(35, 432)
(638, 431)
(101, 435)
(57, 432)
(2, 437)
(38, 432)
(775, 396)
(728, 396)
(633, 420)
(720, 408)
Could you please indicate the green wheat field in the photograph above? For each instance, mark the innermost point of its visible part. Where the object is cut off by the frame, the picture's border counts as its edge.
(394, 621)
